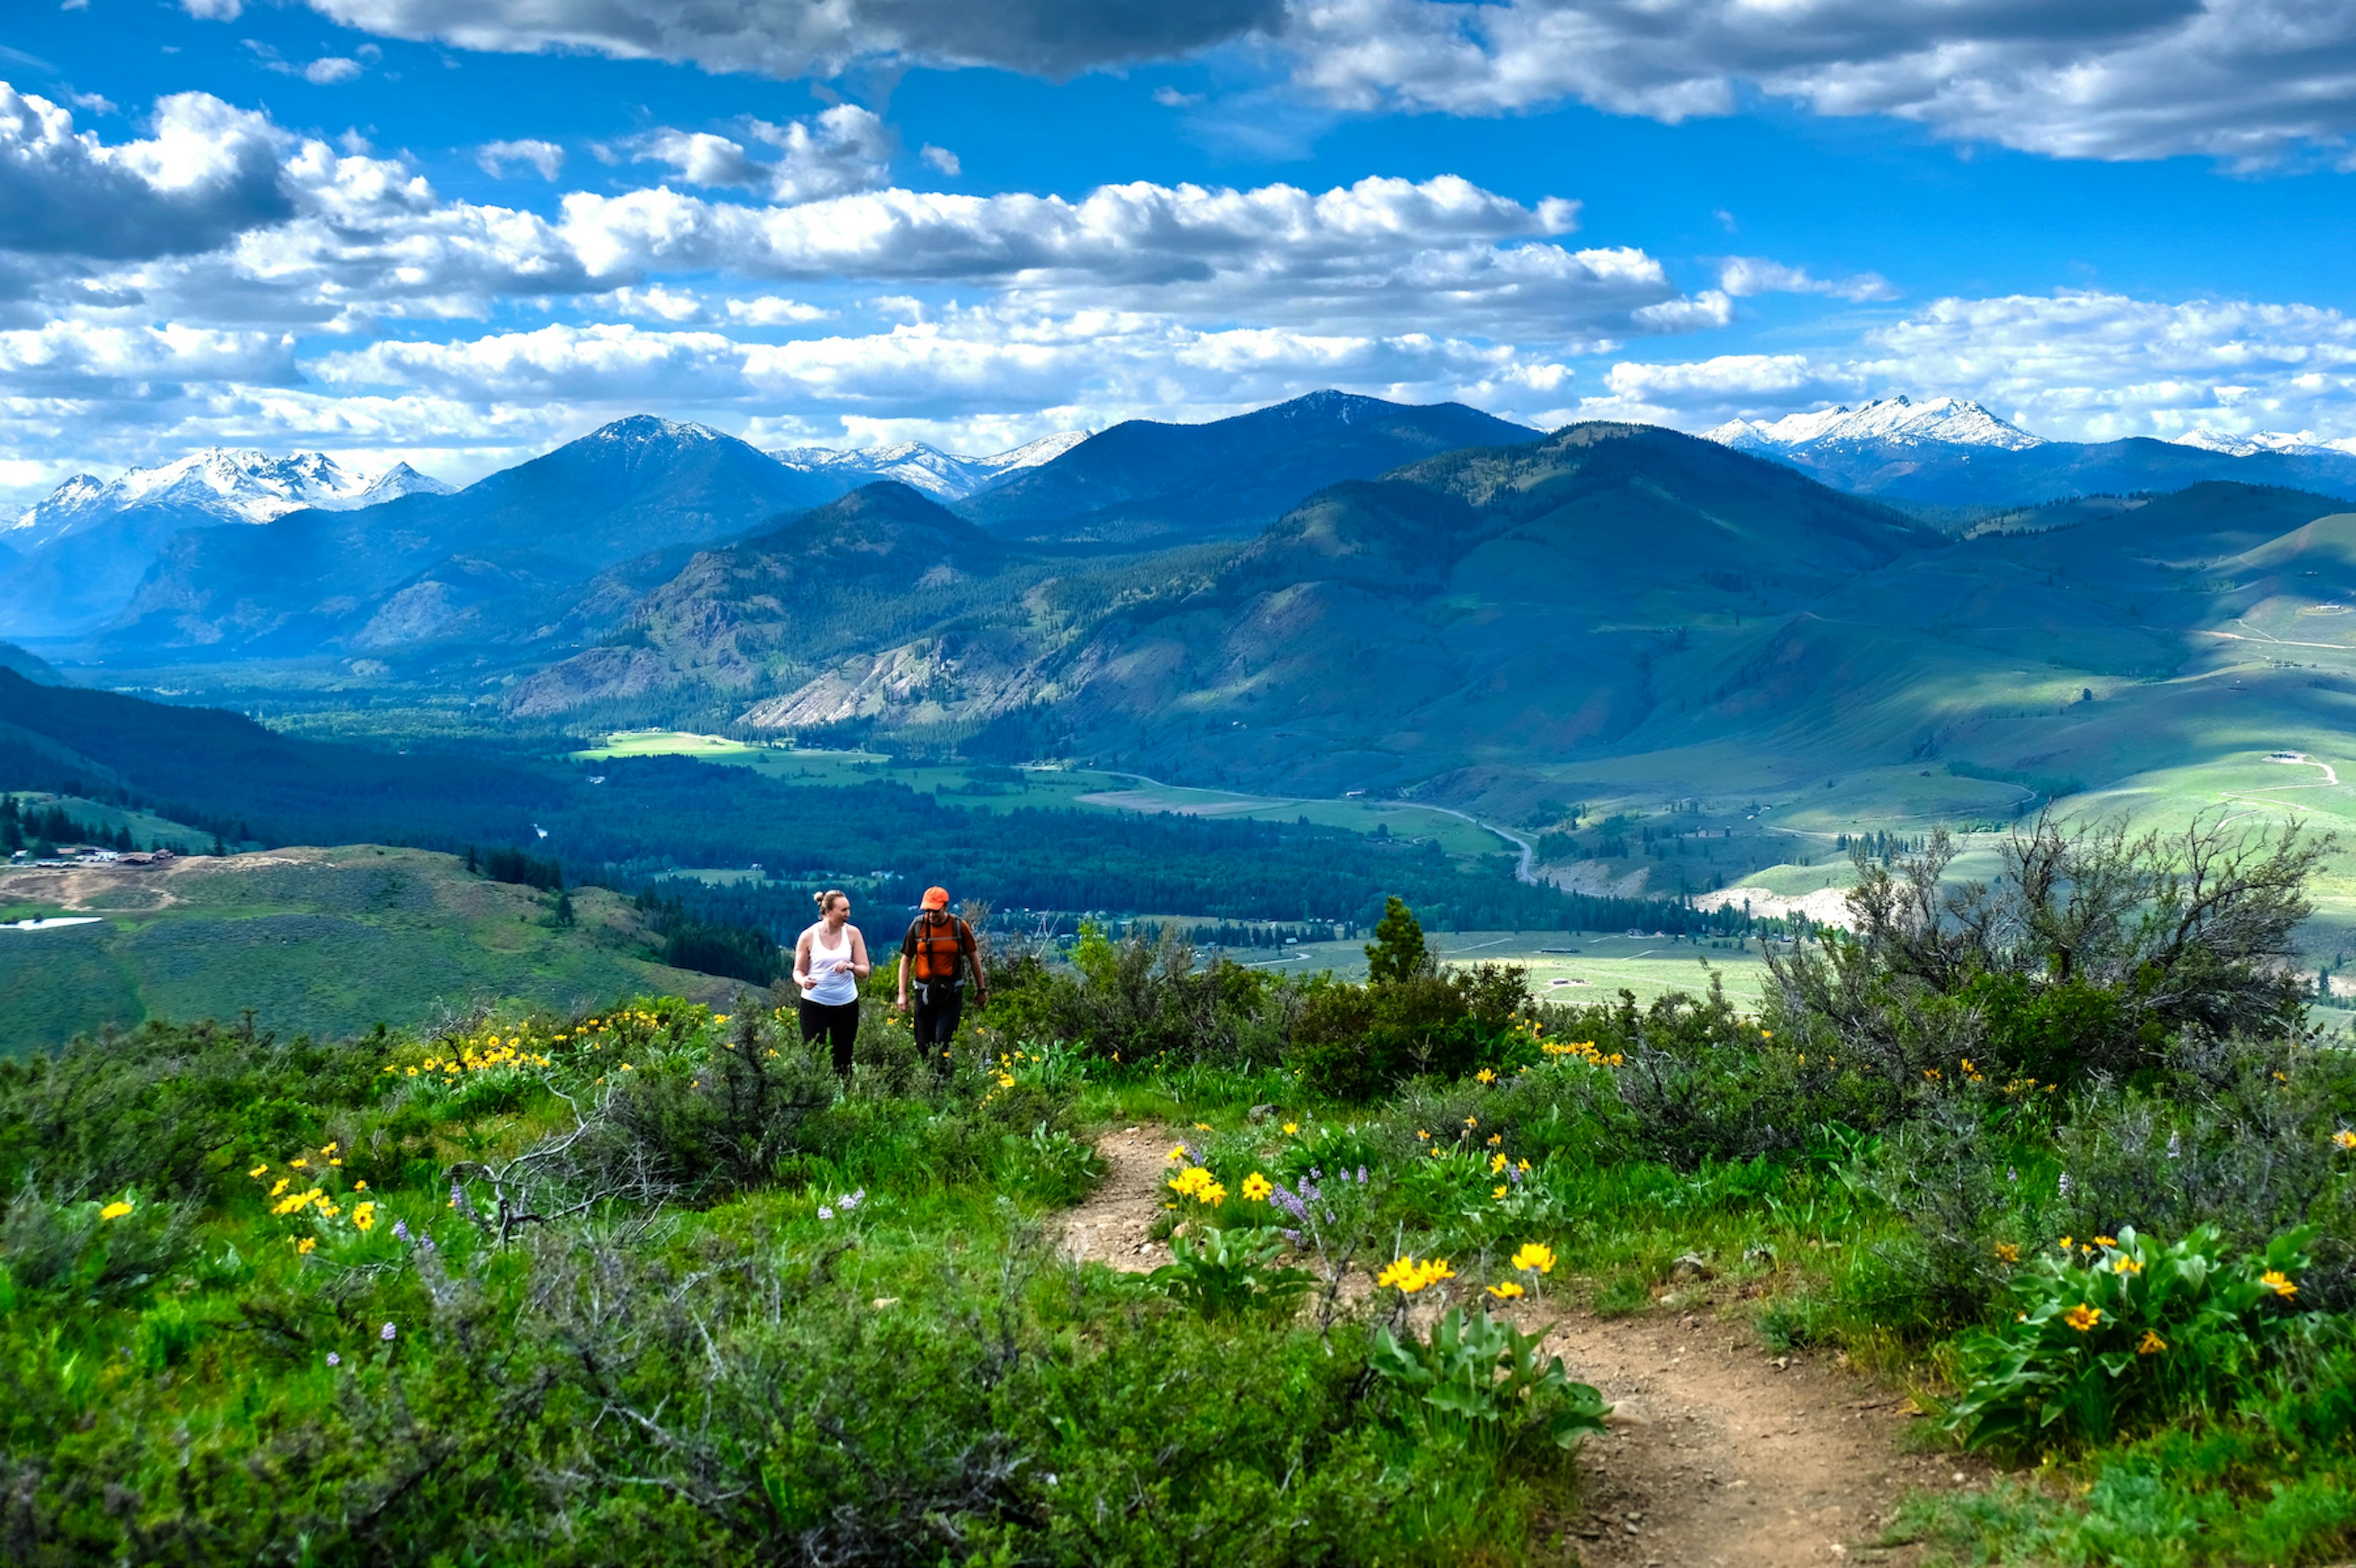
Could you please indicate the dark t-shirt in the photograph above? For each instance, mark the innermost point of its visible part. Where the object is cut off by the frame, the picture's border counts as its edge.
(964, 942)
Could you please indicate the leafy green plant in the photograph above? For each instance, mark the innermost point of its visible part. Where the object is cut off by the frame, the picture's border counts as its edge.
(1231, 1273)
(1479, 1383)
(1051, 1165)
(2124, 1333)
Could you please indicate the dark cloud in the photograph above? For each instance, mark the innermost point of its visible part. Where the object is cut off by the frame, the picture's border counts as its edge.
(207, 172)
(795, 38)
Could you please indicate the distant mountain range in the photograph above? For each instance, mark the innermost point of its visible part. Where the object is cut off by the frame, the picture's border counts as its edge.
(78, 555)
(1487, 604)
(528, 557)
(1617, 600)
(545, 558)
(1446, 601)
(944, 475)
(1947, 452)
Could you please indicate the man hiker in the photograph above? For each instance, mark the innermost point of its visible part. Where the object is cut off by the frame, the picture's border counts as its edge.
(933, 952)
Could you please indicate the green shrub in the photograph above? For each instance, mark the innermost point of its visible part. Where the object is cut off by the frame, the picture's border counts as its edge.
(2116, 1335)
(1479, 1383)
(1232, 1271)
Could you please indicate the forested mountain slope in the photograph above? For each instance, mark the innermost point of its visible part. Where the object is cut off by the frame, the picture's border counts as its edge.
(1142, 481)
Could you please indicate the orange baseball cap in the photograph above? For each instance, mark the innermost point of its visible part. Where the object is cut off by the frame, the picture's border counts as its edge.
(937, 898)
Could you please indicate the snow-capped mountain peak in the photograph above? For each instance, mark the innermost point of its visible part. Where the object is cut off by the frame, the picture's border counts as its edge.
(653, 428)
(2304, 444)
(219, 483)
(944, 475)
(1031, 454)
(1897, 421)
(401, 480)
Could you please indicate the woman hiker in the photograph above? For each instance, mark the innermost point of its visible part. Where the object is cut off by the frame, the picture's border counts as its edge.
(829, 960)
(936, 948)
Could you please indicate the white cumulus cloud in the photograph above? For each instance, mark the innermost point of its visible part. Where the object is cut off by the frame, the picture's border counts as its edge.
(544, 158)
(2075, 365)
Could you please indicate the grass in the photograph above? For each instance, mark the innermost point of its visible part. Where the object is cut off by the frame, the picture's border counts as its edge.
(327, 942)
(845, 1303)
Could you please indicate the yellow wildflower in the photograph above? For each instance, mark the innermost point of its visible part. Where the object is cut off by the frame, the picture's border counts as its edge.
(2082, 1317)
(298, 1162)
(1411, 1276)
(1499, 1191)
(2151, 1344)
(1257, 1187)
(114, 1210)
(1291, 1128)
(2125, 1265)
(261, 1169)
(1496, 1163)
(1202, 1126)
(1535, 1255)
(304, 1243)
(2344, 1138)
(2274, 1279)
(2107, 1241)
(280, 1188)
(1486, 1076)
(1505, 1290)
(2007, 1252)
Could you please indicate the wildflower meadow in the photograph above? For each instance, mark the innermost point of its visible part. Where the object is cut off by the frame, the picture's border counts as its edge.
(648, 1283)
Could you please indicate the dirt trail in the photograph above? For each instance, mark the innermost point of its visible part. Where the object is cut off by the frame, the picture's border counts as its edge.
(1717, 1457)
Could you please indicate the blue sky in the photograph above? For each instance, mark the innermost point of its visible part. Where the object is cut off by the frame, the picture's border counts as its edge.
(458, 231)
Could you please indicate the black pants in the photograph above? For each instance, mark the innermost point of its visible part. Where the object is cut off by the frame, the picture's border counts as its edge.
(938, 1007)
(838, 1022)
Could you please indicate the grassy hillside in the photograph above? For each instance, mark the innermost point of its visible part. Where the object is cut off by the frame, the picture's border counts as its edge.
(326, 941)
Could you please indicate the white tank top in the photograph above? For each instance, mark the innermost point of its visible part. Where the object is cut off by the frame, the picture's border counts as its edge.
(826, 987)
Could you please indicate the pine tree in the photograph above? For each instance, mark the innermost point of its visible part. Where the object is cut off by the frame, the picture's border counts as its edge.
(1399, 951)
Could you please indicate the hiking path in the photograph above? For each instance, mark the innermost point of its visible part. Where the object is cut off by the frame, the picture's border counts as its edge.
(1718, 1455)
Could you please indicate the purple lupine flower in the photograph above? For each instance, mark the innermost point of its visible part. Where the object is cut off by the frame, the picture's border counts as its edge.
(334, 1360)
(400, 1230)
(852, 1201)
(824, 1212)
(1315, 1174)
(386, 1333)
(1362, 1176)
(1291, 1238)
(1514, 1174)
(1290, 1202)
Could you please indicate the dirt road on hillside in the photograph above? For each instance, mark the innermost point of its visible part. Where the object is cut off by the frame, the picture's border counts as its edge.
(1719, 1455)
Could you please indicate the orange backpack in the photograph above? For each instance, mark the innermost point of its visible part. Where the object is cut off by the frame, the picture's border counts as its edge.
(939, 939)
